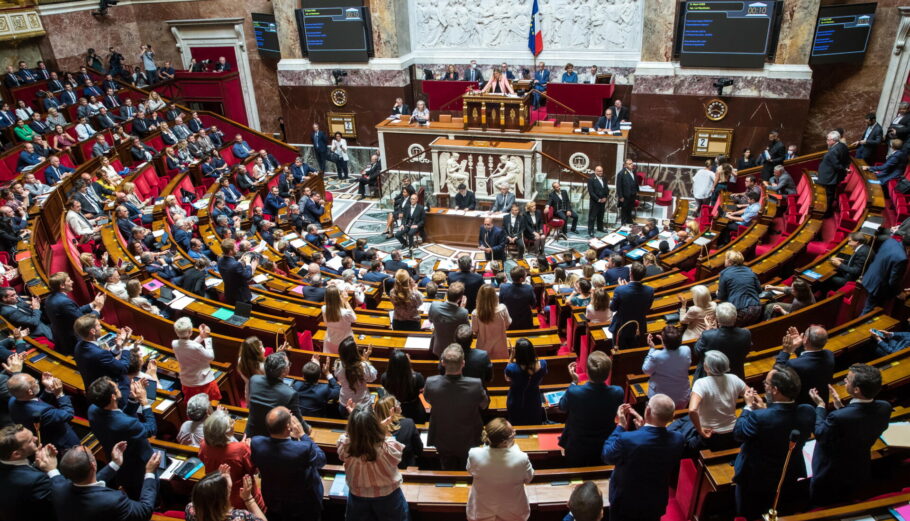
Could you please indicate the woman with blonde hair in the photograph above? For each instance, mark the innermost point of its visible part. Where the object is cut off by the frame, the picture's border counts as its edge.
(252, 358)
(172, 161)
(134, 291)
(338, 317)
(534, 227)
(500, 470)
(406, 302)
(598, 310)
(490, 322)
(154, 103)
(401, 428)
(109, 173)
(129, 188)
(700, 316)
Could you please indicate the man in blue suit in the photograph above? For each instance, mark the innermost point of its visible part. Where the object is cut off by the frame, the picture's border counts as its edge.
(55, 171)
(872, 138)
(87, 495)
(492, 240)
(51, 410)
(24, 314)
(182, 233)
(313, 209)
(894, 165)
(289, 462)
(631, 302)
(519, 299)
(541, 78)
(314, 398)
(607, 122)
(62, 311)
(882, 279)
(28, 158)
(590, 410)
(237, 275)
(26, 490)
(320, 146)
(230, 193)
(646, 461)
(273, 202)
(616, 269)
(240, 148)
(814, 365)
(764, 431)
(472, 280)
(95, 360)
(299, 170)
(844, 437)
(134, 425)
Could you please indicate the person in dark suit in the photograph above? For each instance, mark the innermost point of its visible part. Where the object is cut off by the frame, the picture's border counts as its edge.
(135, 424)
(142, 152)
(832, 169)
(559, 201)
(457, 404)
(62, 312)
(28, 158)
(607, 122)
(855, 265)
(504, 199)
(300, 170)
(882, 279)
(626, 191)
(894, 165)
(472, 73)
(288, 462)
(646, 461)
(900, 125)
(464, 198)
(765, 433)
(313, 209)
(492, 240)
(400, 108)
(513, 226)
(872, 138)
(477, 362)
(414, 216)
(734, 342)
(616, 269)
(320, 146)
(844, 437)
(375, 273)
(237, 275)
(781, 182)
(598, 192)
(314, 398)
(26, 490)
(519, 299)
(268, 391)
(590, 411)
(369, 176)
(773, 155)
(222, 65)
(446, 316)
(472, 281)
(814, 365)
(631, 302)
(50, 410)
(95, 360)
(314, 291)
(533, 221)
(87, 495)
(24, 314)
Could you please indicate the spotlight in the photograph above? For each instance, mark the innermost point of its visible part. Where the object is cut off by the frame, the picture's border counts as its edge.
(338, 74)
(720, 83)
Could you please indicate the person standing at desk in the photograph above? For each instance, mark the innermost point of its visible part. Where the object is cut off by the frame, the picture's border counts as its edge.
(626, 191)
(570, 76)
(774, 155)
(498, 84)
(421, 114)
(598, 191)
(492, 241)
(541, 78)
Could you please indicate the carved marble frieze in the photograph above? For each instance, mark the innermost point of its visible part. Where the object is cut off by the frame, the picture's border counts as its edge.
(16, 24)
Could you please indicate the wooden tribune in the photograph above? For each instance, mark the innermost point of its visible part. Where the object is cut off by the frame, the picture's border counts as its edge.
(497, 112)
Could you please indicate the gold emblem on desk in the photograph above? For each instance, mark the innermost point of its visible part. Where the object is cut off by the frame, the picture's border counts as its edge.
(339, 97)
(716, 109)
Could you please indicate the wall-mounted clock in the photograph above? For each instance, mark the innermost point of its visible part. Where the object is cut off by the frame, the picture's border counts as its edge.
(716, 109)
(339, 97)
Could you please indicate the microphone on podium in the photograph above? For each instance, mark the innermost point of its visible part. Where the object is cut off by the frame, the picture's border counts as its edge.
(794, 439)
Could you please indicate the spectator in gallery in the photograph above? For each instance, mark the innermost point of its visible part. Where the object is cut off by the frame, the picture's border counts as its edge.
(569, 76)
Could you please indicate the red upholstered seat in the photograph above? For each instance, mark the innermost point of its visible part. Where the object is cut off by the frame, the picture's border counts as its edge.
(665, 198)
(552, 224)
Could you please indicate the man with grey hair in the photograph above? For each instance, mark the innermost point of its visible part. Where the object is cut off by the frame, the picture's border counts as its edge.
(646, 460)
(735, 342)
(50, 410)
(268, 391)
(900, 125)
(833, 168)
(781, 182)
(814, 365)
(198, 408)
(457, 404)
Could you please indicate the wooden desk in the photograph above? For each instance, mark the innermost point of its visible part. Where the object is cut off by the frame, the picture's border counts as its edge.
(444, 226)
(496, 112)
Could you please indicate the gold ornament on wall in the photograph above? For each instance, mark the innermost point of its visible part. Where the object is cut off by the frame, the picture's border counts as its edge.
(716, 109)
(339, 97)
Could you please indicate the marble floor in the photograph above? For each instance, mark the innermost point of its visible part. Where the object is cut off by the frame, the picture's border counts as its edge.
(366, 219)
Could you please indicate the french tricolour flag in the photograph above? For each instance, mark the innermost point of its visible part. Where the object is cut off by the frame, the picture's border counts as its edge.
(535, 33)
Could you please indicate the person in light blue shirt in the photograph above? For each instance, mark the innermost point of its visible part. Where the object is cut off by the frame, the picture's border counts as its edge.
(669, 367)
(240, 148)
(740, 218)
(570, 76)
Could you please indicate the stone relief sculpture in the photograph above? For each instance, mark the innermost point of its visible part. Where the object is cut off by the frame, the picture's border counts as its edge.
(509, 171)
(456, 173)
(613, 25)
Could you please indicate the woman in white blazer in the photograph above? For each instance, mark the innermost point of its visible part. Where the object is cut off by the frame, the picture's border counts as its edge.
(500, 471)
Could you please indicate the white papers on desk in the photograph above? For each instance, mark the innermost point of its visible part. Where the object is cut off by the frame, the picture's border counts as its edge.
(243, 206)
(261, 247)
(298, 243)
(600, 265)
(808, 449)
(424, 308)
(614, 238)
(456, 212)
(157, 233)
(334, 263)
(200, 204)
(646, 188)
(259, 279)
(423, 437)
(180, 303)
(290, 236)
(426, 324)
(701, 241)
(172, 468)
(411, 263)
(608, 333)
(417, 342)
(447, 265)
(474, 213)
(548, 278)
(596, 243)
(163, 405)
(211, 282)
(871, 225)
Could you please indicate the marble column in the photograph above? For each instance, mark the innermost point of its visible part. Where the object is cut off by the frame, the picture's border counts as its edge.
(288, 36)
(659, 19)
(797, 29)
(391, 37)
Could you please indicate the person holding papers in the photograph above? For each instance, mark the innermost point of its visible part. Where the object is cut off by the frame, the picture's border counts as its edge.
(498, 84)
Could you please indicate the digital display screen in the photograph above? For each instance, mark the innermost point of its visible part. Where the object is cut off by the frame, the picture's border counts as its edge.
(334, 33)
(842, 33)
(266, 32)
(725, 34)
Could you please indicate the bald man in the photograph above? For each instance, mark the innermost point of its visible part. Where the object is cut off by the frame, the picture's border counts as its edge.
(51, 410)
(646, 460)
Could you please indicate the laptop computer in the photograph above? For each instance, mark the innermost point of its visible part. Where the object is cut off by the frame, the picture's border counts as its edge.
(166, 295)
(242, 312)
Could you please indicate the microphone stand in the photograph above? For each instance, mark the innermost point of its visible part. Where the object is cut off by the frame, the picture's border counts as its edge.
(772, 513)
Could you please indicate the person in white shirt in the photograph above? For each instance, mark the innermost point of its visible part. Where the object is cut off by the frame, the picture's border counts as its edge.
(340, 148)
(198, 408)
(703, 185)
(338, 317)
(195, 357)
(712, 403)
(78, 223)
(500, 470)
(84, 130)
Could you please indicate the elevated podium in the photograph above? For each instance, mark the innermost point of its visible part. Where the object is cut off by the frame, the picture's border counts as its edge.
(497, 112)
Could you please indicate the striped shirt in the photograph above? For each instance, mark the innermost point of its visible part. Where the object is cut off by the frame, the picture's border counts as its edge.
(377, 478)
